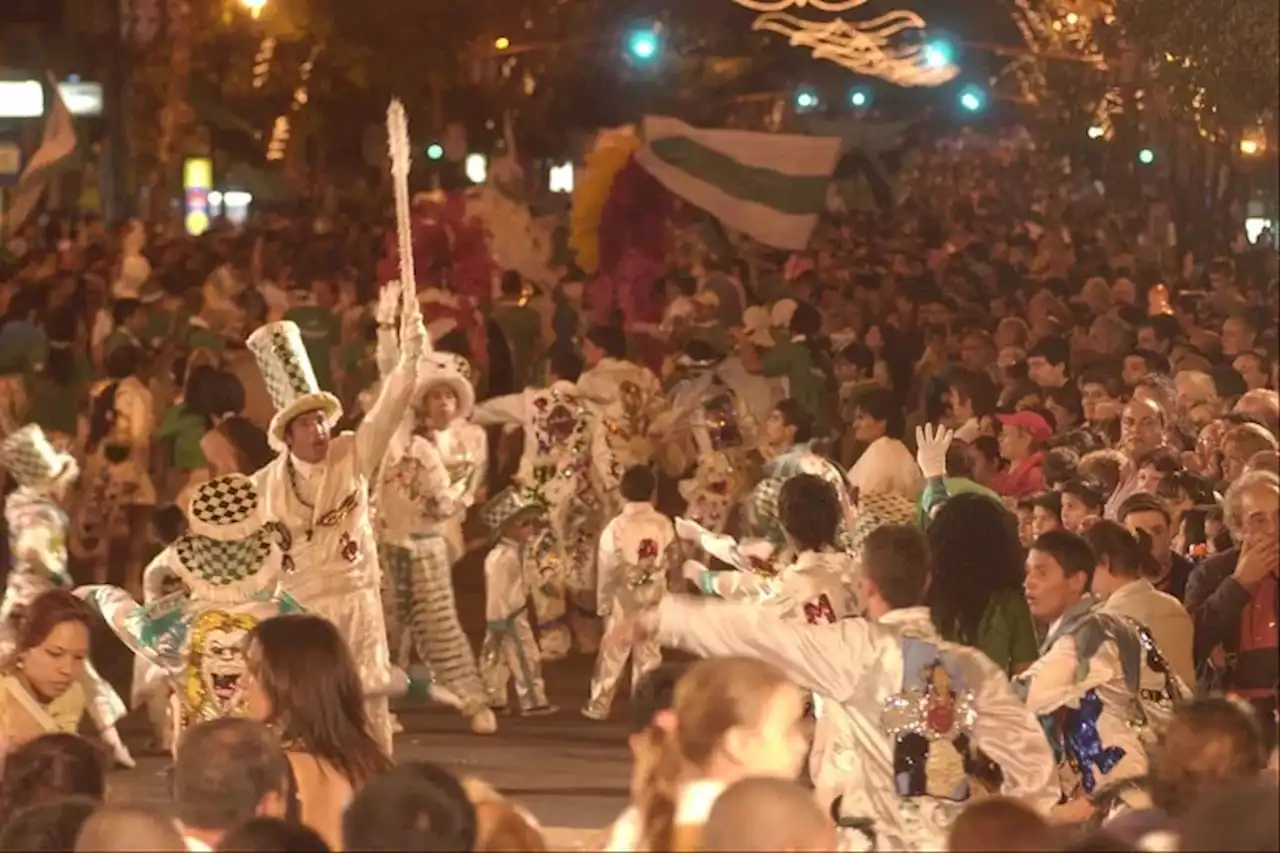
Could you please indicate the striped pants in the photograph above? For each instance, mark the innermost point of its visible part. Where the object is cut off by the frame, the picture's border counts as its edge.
(418, 595)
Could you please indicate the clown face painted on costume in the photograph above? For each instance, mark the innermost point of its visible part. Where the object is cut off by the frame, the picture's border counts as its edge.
(560, 425)
(216, 666)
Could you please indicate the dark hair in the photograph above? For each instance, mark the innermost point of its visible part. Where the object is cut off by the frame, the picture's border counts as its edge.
(860, 356)
(1108, 376)
(223, 769)
(1068, 397)
(565, 364)
(1050, 501)
(51, 827)
(415, 806)
(1071, 552)
(169, 522)
(45, 612)
(809, 510)
(655, 693)
(272, 835)
(1129, 553)
(1153, 361)
(1164, 326)
(122, 362)
(1060, 465)
(317, 701)
(1190, 761)
(1241, 816)
(880, 405)
(49, 768)
(638, 483)
(975, 387)
(512, 283)
(1164, 460)
(976, 553)
(896, 559)
(123, 309)
(1143, 502)
(1053, 349)
(611, 339)
(795, 415)
(1087, 492)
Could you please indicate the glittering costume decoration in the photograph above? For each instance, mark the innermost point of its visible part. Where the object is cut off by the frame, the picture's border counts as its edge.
(718, 477)
(1076, 738)
(931, 719)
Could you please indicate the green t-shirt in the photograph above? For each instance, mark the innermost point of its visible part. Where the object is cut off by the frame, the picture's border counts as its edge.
(793, 360)
(321, 332)
(1006, 633)
(56, 407)
(198, 337)
(185, 429)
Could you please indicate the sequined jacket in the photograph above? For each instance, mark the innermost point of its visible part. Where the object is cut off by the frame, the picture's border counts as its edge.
(625, 398)
(1103, 693)
(635, 550)
(37, 548)
(912, 708)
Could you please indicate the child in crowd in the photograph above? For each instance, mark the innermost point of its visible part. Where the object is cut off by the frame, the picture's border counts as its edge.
(635, 551)
(510, 653)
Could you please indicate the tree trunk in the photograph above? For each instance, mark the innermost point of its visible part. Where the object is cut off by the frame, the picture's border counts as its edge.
(174, 112)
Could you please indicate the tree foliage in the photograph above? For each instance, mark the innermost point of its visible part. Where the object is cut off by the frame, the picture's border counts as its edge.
(1219, 59)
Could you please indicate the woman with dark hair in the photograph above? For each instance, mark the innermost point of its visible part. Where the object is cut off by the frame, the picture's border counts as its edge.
(975, 596)
(49, 768)
(301, 680)
(41, 682)
(233, 444)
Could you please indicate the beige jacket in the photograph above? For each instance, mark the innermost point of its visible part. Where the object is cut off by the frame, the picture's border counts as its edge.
(1162, 615)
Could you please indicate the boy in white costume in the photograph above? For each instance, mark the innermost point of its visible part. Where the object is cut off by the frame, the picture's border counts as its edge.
(38, 557)
(317, 489)
(914, 709)
(426, 484)
(560, 468)
(510, 654)
(636, 548)
(1101, 687)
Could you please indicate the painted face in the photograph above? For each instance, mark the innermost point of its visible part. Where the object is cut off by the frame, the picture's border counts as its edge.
(53, 666)
(1048, 589)
(222, 665)
(560, 425)
(308, 436)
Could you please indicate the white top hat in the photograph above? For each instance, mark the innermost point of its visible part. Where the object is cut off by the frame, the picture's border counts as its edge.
(289, 377)
(33, 461)
(222, 557)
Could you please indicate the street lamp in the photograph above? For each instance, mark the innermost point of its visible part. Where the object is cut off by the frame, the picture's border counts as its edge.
(501, 43)
(1250, 147)
(255, 7)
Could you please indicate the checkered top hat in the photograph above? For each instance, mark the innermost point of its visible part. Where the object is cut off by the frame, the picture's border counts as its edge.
(290, 379)
(509, 507)
(876, 509)
(446, 368)
(224, 555)
(762, 509)
(33, 461)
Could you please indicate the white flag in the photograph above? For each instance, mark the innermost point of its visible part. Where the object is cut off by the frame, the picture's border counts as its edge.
(56, 147)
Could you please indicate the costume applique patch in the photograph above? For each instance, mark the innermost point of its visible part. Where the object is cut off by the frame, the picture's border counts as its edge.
(216, 666)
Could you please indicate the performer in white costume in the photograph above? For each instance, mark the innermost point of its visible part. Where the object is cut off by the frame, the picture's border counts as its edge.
(562, 446)
(427, 483)
(318, 491)
(510, 654)
(38, 557)
(913, 708)
(151, 686)
(636, 549)
(625, 397)
(232, 568)
(1101, 688)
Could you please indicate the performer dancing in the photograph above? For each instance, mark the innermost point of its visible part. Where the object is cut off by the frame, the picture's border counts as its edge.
(427, 484)
(228, 563)
(38, 553)
(318, 490)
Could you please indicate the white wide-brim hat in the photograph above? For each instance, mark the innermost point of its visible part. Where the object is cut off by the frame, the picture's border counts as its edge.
(445, 368)
(33, 461)
(290, 380)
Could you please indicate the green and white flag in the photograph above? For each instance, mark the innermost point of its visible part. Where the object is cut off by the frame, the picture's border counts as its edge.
(57, 147)
(769, 186)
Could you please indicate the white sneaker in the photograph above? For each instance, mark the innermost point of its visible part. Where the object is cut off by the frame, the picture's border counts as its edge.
(595, 712)
(396, 726)
(484, 722)
(120, 753)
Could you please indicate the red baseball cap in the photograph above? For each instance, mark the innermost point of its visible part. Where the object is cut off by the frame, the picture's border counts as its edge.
(1031, 422)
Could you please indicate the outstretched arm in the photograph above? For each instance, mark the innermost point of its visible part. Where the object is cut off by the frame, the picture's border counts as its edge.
(135, 626)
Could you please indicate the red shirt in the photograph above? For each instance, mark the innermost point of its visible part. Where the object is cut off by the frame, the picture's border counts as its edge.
(1023, 478)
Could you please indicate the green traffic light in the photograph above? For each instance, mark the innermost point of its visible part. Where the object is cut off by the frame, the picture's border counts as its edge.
(1146, 156)
(435, 151)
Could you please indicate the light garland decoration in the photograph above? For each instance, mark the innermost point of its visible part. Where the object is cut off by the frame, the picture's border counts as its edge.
(262, 62)
(835, 6)
(871, 47)
(280, 130)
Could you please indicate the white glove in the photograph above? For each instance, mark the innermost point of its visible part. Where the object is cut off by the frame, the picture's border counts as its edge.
(932, 442)
(388, 303)
(692, 571)
(413, 335)
(689, 531)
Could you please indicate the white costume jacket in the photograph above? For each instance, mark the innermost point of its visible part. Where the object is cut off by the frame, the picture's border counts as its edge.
(635, 551)
(914, 708)
(330, 559)
(1103, 693)
(811, 588)
(625, 398)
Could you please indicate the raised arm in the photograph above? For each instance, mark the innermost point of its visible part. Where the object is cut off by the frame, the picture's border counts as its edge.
(136, 627)
(375, 433)
(821, 658)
